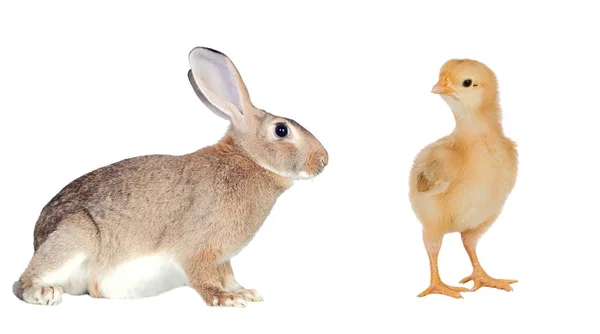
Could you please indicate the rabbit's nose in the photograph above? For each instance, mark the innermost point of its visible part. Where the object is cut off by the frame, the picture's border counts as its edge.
(324, 159)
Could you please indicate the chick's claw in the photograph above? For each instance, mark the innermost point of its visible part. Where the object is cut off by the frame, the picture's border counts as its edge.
(443, 289)
(480, 280)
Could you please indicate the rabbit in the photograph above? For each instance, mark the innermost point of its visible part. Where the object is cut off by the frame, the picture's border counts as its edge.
(145, 225)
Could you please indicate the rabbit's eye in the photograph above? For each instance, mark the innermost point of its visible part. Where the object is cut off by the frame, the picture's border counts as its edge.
(281, 130)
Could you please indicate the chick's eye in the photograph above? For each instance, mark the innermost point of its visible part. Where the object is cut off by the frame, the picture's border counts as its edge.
(467, 83)
(281, 130)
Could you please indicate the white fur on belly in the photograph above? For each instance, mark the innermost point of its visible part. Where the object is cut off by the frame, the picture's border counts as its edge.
(143, 277)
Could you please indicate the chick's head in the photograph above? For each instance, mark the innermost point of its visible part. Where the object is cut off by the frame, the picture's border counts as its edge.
(466, 85)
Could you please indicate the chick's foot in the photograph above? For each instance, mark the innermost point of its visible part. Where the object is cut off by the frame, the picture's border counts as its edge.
(482, 279)
(443, 289)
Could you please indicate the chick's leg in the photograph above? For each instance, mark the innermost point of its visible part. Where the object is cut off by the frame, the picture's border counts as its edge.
(479, 276)
(433, 243)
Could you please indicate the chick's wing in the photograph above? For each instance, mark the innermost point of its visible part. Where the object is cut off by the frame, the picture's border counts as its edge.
(435, 170)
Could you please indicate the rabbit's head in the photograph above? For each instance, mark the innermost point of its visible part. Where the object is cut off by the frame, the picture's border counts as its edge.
(278, 144)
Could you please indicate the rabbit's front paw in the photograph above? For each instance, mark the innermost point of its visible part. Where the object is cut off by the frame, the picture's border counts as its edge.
(250, 295)
(228, 299)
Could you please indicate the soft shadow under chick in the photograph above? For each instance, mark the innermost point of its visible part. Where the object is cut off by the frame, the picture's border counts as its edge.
(460, 182)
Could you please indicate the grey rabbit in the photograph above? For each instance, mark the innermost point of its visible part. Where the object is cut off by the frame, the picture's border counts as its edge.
(145, 225)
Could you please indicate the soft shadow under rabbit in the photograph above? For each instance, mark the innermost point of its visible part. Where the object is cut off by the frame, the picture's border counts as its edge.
(145, 225)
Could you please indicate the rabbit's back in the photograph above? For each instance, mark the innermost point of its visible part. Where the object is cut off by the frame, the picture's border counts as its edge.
(125, 190)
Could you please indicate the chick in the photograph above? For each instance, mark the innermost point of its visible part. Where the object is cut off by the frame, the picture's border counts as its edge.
(460, 182)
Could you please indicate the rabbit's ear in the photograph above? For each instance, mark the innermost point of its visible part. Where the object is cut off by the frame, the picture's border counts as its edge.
(218, 84)
(203, 98)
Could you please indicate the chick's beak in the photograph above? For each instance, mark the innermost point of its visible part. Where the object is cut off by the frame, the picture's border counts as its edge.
(441, 88)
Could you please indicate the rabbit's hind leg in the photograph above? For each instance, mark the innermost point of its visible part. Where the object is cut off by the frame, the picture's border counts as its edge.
(59, 265)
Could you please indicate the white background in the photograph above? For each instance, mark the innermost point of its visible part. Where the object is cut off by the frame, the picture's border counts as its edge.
(85, 85)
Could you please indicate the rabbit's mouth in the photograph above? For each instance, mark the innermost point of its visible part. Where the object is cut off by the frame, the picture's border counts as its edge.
(316, 165)
(301, 171)
(315, 170)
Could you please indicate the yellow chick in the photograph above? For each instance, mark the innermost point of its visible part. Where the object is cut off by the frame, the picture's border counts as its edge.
(461, 182)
